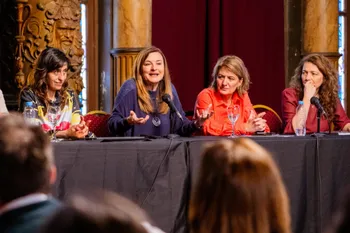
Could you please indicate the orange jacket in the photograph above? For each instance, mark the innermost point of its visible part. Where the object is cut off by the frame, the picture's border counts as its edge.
(219, 124)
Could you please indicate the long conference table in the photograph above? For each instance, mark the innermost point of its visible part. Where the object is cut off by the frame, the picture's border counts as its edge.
(158, 174)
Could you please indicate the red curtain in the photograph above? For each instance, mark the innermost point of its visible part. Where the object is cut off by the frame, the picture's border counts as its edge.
(194, 34)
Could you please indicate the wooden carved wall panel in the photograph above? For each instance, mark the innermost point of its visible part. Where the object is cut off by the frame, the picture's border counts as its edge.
(8, 25)
(48, 23)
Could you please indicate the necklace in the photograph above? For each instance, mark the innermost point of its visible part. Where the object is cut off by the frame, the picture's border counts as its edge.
(156, 121)
(155, 115)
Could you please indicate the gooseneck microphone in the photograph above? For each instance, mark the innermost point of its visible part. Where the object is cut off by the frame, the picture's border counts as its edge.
(315, 101)
(167, 99)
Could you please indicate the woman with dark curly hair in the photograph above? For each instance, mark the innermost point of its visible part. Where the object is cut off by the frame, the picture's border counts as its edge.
(50, 88)
(315, 76)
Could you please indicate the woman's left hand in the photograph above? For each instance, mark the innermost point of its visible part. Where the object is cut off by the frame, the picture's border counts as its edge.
(256, 123)
(81, 130)
(346, 128)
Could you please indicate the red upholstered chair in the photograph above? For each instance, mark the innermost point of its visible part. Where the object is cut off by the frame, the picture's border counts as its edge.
(272, 118)
(98, 124)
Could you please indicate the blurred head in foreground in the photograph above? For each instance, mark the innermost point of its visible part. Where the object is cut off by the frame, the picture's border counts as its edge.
(103, 212)
(239, 190)
(26, 159)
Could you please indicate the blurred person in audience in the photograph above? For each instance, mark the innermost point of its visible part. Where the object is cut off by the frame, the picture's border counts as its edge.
(27, 172)
(239, 189)
(139, 108)
(341, 219)
(229, 87)
(3, 108)
(50, 89)
(315, 76)
(105, 212)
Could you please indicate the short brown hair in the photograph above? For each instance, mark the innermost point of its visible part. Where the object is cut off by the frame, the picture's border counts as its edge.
(236, 66)
(103, 212)
(239, 190)
(25, 158)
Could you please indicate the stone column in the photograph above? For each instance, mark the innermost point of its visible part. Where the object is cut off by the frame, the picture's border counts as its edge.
(132, 31)
(320, 28)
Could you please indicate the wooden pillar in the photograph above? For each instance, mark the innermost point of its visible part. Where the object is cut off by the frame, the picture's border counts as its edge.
(123, 61)
(132, 31)
(320, 28)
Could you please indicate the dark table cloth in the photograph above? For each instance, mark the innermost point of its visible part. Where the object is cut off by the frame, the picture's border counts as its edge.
(158, 174)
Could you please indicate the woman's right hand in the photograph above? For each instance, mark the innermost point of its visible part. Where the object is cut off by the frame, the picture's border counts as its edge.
(134, 120)
(75, 131)
(309, 90)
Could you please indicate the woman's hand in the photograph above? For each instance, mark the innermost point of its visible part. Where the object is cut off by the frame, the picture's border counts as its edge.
(256, 122)
(80, 130)
(309, 91)
(134, 120)
(75, 131)
(202, 117)
(346, 128)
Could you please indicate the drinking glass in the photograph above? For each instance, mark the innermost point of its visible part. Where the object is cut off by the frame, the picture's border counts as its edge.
(233, 115)
(53, 115)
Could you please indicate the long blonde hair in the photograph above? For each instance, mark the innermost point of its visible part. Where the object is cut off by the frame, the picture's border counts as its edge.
(164, 86)
(239, 190)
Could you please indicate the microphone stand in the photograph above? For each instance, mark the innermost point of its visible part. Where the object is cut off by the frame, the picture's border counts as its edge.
(318, 120)
(318, 133)
(172, 122)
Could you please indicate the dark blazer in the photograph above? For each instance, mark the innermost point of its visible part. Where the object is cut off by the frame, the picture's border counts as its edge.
(28, 219)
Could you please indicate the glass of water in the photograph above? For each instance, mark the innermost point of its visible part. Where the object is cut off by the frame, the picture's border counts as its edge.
(233, 115)
(53, 115)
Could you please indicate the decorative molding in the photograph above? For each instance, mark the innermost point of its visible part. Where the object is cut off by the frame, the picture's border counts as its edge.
(326, 54)
(123, 61)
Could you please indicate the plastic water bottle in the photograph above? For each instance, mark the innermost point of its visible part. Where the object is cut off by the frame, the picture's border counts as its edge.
(300, 129)
(29, 113)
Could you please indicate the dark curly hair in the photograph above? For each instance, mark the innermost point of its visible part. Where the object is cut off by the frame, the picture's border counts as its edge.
(50, 59)
(328, 91)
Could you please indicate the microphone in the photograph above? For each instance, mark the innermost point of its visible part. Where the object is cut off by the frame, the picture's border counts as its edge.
(315, 101)
(167, 99)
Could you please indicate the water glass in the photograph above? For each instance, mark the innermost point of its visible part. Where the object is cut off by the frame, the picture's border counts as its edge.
(233, 115)
(53, 115)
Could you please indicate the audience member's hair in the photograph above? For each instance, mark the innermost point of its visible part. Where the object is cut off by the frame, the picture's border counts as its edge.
(239, 190)
(341, 220)
(26, 158)
(104, 212)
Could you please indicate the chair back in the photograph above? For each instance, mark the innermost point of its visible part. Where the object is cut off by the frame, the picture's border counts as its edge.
(98, 124)
(189, 114)
(272, 118)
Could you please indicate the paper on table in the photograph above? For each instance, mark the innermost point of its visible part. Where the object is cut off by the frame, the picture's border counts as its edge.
(343, 133)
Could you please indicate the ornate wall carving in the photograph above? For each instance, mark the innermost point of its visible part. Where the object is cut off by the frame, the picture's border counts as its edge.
(48, 23)
(8, 25)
